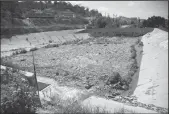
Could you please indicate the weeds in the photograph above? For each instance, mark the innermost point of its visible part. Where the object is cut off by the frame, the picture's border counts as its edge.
(51, 45)
(19, 51)
(22, 51)
(133, 52)
(34, 49)
(134, 65)
(50, 41)
(141, 44)
(128, 32)
(73, 106)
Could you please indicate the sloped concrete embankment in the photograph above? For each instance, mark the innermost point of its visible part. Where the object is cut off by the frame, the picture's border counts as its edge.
(8, 46)
(152, 87)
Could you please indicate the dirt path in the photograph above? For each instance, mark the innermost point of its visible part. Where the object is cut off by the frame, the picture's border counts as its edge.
(152, 87)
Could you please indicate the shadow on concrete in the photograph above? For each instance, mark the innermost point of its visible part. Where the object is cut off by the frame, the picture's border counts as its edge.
(42, 85)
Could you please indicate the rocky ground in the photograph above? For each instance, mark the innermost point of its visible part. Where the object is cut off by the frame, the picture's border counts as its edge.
(88, 64)
(85, 64)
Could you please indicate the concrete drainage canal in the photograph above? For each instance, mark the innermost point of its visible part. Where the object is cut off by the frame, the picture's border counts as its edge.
(50, 90)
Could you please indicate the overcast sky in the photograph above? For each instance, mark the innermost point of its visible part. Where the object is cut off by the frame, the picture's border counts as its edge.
(142, 9)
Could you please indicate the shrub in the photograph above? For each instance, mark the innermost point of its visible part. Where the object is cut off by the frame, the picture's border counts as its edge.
(62, 72)
(50, 41)
(138, 41)
(71, 106)
(72, 42)
(16, 94)
(133, 54)
(141, 44)
(114, 78)
(22, 51)
(131, 73)
(126, 80)
(51, 45)
(133, 68)
(132, 47)
(34, 49)
(83, 42)
(4, 62)
(15, 53)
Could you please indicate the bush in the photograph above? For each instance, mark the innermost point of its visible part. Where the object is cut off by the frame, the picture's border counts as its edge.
(138, 41)
(62, 72)
(131, 73)
(22, 51)
(134, 67)
(16, 94)
(141, 44)
(114, 78)
(50, 41)
(51, 45)
(89, 27)
(133, 54)
(71, 106)
(34, 49)
(126, 80)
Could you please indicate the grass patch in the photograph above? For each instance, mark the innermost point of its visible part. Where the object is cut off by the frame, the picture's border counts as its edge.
(111, 32)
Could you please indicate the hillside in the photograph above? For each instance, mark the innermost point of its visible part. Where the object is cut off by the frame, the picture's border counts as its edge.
(29, 17)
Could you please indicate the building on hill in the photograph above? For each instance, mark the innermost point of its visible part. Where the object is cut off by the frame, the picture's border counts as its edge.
(66, 14)
(39, 15)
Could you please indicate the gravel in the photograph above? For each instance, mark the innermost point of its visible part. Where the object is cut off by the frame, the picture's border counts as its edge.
(132, 101)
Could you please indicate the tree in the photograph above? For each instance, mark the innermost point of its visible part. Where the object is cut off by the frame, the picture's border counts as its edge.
(154, 21)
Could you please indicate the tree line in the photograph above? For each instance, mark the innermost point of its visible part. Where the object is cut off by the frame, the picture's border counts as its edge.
(156, 22)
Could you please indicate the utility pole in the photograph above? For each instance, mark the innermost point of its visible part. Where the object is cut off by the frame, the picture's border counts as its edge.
(34, 68)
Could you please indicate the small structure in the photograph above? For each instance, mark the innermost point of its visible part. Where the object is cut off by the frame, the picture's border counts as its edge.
(33, 14)
(67, 14)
